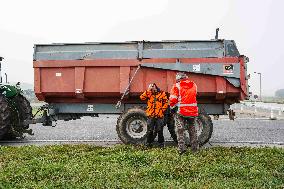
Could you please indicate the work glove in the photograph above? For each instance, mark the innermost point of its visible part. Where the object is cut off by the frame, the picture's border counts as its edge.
(174, 110)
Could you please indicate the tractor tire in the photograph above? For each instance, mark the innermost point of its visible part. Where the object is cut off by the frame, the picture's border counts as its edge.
(5, 116)
(24, 109)
(24, 112)
(132, 126)
(204, 127)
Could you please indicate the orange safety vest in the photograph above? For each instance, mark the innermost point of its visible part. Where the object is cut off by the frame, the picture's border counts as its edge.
(183, 95)
(157, 103)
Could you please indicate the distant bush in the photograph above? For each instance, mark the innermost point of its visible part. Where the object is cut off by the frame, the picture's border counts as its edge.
(280, 93)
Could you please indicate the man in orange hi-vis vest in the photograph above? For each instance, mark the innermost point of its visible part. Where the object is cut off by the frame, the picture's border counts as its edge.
(157, 103)
(183, 101)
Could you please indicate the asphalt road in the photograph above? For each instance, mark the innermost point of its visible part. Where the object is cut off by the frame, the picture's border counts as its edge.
(101, 131)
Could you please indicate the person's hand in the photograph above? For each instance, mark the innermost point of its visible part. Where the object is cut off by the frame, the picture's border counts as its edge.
(174, 110)
(151, 87)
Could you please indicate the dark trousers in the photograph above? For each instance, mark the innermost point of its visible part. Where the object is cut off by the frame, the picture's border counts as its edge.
(169, 120)
(155, 125)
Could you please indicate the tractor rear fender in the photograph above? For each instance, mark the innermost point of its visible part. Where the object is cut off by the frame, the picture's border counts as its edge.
(9, 91)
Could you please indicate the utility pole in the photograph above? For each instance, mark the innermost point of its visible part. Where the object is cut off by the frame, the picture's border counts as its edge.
(260, 97)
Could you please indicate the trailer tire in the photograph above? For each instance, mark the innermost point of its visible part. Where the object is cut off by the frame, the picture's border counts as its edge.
(132, 126)
(205, 124)
(24, 112)
(117, 127)
(5, 116)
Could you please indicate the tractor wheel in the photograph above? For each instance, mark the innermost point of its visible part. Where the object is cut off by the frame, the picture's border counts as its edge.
(24, 112)
(24, 109)
(132, 126)
(5, 116)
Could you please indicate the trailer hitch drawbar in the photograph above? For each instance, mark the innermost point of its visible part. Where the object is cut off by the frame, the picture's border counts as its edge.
(45, 119)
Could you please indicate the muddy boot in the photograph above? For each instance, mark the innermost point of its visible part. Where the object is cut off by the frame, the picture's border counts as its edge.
(149, 145)
(182, 152)
(161, 145)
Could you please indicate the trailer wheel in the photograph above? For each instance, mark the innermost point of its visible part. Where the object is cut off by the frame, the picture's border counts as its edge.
(24, 112)
(132, 126)
(5, 116)
(204, 127)
(117, 127)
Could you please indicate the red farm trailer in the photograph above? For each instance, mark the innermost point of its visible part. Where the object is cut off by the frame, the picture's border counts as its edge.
(89, 79)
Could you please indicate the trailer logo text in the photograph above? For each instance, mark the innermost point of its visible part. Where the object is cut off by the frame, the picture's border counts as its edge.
(228, 69)
(196, 67)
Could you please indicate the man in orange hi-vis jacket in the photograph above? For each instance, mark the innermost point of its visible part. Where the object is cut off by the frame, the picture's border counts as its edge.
(157, 103)
(183, 101)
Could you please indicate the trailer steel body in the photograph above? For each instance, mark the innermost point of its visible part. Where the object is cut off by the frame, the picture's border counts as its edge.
(89, 78)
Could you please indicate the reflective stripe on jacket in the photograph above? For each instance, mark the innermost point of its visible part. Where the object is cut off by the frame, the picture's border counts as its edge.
(156, 103)
(183, 95)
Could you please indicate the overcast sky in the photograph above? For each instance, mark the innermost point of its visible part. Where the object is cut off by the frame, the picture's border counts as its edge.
(255, 25)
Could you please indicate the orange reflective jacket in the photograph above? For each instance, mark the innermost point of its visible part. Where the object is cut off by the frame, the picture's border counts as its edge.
(183, 95)
(157, 103)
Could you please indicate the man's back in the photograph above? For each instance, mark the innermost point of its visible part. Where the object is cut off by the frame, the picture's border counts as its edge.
(183, 95)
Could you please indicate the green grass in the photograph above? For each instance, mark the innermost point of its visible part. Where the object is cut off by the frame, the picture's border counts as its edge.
(86, 166)
(273, 99)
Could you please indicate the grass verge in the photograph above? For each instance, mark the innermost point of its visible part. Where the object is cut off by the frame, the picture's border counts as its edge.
(86, 166)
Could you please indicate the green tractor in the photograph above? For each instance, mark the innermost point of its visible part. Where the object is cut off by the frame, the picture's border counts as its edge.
(15, 109)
